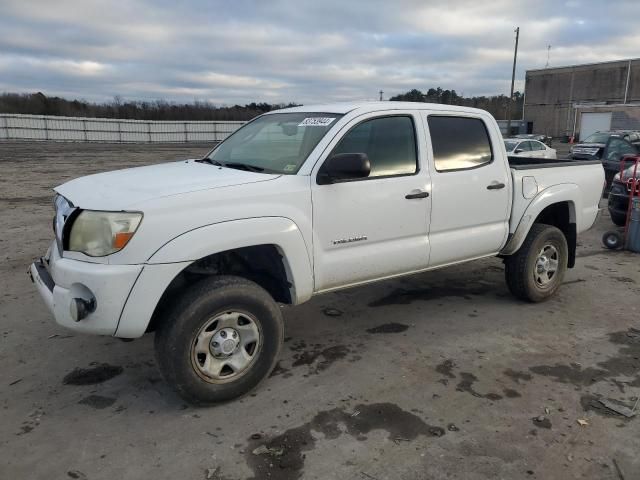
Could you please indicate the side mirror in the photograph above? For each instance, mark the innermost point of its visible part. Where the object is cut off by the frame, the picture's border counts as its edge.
(518, 150)
(344, 166)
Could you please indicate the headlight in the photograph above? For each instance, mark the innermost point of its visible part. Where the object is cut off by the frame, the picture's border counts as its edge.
(102, 233)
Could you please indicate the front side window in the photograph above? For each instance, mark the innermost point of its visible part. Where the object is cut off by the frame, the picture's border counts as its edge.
(389, 142)
(459, 142)
(275, 143)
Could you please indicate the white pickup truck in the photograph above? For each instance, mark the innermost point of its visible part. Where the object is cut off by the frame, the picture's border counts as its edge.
(295, 203)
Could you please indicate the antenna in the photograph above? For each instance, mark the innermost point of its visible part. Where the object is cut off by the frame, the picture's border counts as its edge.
(380, 92)
(548, 52)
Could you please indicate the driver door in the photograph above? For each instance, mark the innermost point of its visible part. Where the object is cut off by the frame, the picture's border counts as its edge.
(374, 227)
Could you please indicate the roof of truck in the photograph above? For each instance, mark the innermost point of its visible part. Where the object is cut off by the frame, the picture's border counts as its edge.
(364, 107)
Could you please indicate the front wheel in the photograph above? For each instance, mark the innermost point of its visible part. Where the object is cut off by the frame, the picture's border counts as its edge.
(220, 339)
(535, 272)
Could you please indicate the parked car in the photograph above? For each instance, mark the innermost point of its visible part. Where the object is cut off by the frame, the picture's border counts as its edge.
(620, 193)
(608, 147)
(528, 148)
(536, 136)
(295, 203)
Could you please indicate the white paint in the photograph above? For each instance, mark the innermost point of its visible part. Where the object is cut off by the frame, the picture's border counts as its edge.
(192, 210)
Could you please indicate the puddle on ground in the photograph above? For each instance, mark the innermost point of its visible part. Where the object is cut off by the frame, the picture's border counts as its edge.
(97, 401)
(283, 456)
(389, 328)
(625, 364)
(91, 376)
(462, 290)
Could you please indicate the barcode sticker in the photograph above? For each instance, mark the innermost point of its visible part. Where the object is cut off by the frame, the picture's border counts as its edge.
(316, 122)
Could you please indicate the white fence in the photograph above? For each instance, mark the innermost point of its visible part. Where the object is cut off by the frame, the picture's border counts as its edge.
(75, 129)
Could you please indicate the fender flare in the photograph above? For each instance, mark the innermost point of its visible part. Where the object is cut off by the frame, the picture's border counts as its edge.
(180, 252)
(565, 192)
(219, 237)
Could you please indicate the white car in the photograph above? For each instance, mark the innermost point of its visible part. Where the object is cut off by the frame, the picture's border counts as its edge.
(296, 203)
(528, 148)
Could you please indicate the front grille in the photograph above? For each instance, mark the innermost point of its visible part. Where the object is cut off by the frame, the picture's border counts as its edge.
(64, 208)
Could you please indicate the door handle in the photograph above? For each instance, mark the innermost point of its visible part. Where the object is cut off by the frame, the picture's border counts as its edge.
(411, 196)
(496, 186)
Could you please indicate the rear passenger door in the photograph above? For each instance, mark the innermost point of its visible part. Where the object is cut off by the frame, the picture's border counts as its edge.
(471, 188)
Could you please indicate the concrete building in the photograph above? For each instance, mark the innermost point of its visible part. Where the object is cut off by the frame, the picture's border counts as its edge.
(581, 99)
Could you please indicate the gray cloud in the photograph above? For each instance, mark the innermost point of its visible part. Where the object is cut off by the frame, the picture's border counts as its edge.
(304, 51)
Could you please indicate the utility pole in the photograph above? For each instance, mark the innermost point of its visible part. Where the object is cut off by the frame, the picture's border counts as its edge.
(381, 92)
(513, 78)
(548, 52)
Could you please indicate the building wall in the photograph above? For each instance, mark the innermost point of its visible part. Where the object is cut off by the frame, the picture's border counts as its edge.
(551, 94)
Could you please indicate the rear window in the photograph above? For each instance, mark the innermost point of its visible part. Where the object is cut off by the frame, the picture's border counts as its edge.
(459, 143)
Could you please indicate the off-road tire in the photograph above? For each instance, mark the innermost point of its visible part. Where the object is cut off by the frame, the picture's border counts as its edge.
(619, 220)
(178, 330)
(520, 267)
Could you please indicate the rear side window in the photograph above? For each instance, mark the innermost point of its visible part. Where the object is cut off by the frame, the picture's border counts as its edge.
(389, 142)
(459, 143)
(537, 146)
(525, 146)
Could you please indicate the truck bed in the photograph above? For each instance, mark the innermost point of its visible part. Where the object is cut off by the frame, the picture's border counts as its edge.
(583, 178)
(527, 163)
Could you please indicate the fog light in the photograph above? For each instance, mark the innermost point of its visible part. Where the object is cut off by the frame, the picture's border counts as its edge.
(80, 308)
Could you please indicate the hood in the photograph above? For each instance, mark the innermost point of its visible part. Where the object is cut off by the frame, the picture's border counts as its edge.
(124, 189)
(587, 150)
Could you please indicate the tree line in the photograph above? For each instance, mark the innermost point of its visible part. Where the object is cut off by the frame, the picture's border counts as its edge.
(40, 104)
(496, 105)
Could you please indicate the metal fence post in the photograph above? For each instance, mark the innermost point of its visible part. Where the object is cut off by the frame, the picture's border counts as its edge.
(119, 131)
(46, 128)
(84, 126)
(186, 136)
(149, 129)
(6, 127)
(215, 131)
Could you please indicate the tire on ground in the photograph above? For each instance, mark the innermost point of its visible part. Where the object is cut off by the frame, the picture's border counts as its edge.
(521, 267)
(176, 336)
(618, 219)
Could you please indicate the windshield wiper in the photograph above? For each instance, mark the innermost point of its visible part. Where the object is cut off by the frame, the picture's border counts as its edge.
(210, 160)
(243, 166)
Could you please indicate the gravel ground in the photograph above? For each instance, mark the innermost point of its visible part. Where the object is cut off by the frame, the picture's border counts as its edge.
(440, 375)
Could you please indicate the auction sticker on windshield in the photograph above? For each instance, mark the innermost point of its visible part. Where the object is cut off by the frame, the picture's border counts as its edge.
(316, 122)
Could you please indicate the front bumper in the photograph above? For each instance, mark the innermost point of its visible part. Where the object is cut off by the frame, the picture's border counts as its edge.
(61, 280)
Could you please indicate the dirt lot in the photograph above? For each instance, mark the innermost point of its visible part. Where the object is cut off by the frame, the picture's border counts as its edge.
(439, 375)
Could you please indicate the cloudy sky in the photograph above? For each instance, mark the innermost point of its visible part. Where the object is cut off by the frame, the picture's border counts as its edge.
(303, 51)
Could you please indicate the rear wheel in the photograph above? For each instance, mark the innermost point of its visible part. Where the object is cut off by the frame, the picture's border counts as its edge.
(220, 339)
(535, 272)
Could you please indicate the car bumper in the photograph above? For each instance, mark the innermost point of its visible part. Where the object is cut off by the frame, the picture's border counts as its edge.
(60, 281)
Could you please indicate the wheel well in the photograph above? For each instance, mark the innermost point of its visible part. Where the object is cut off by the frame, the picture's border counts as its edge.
(562, 216)
(262, 264)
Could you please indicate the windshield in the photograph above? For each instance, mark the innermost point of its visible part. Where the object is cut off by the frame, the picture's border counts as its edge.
(510, 145)
(597, 138)
(275, 143)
